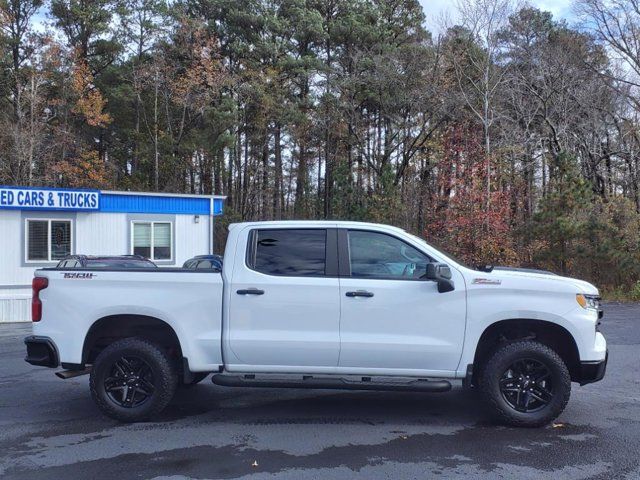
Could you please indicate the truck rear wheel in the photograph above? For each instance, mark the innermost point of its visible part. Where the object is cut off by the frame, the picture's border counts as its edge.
(526, 383)
(132, 379)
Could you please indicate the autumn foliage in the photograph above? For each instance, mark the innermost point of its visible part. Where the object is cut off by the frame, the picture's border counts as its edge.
(89, 102)
(86, 170)
(465, 217)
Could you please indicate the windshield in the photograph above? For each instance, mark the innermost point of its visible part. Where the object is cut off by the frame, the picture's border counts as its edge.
(441, 250)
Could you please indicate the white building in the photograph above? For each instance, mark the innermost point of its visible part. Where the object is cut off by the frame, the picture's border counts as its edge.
(39, 226)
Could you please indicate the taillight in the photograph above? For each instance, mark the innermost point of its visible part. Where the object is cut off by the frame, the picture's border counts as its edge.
(39, 283)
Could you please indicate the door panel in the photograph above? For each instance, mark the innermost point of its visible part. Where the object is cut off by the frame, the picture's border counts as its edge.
(404, 323)
(296, 320)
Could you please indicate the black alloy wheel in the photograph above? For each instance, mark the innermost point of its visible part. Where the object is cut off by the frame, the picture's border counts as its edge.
(130, 382)
(527, 385)
(133, 379)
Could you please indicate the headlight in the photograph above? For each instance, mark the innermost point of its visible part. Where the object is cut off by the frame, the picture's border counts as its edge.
(591, 302)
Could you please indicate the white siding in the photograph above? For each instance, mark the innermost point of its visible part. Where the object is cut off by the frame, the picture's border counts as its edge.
(11, 270)
(15, 307)
(15, 302)
(191, 238)
(102, 234)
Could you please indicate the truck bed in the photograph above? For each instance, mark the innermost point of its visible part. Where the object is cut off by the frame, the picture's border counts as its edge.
(189, 301)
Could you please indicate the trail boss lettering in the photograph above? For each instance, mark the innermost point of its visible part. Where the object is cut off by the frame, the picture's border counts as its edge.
(83, 276)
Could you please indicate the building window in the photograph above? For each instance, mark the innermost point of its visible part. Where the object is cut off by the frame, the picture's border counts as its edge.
(48, 240)
(152, 240)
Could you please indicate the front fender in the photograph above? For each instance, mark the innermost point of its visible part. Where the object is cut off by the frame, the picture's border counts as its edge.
(476, 328)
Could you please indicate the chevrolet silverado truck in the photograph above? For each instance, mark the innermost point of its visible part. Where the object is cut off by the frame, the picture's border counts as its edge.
(327, 305)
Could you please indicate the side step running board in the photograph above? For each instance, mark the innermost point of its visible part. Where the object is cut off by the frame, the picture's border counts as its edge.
(330, 383)
(64, 374)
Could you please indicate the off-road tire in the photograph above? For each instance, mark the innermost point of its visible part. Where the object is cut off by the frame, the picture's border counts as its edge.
(499, 362)
(163, 370)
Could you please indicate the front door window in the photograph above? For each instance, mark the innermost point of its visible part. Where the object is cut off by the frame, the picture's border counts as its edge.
(378, 255)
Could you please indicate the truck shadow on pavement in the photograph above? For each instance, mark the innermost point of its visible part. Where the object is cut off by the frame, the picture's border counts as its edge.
(367, 407)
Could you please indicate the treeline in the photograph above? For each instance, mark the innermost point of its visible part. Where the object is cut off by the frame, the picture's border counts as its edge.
(508, 138)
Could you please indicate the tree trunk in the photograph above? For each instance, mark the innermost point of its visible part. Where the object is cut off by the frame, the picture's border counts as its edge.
(156, 152)
(278, 200)
(264, 210)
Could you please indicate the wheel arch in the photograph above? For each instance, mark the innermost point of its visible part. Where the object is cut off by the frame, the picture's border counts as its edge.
(555, 336)
(110, 328)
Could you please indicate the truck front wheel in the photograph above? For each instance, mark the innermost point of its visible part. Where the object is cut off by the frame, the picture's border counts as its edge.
(526, 383)
(132, 379)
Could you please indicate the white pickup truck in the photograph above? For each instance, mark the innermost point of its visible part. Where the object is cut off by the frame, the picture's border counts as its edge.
(324, 304)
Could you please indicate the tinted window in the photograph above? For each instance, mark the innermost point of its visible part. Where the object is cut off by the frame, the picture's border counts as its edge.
(289, 252)
(377, 255)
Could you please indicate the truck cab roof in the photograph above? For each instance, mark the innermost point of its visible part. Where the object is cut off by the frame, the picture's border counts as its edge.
(315, 223)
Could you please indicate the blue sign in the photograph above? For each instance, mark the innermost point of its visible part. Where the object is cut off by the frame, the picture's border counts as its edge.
(28, 198)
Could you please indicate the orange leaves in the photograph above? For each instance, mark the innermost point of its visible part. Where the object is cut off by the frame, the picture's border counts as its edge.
(465, 217)
(85, 171)
(89, 101)
(199, 76)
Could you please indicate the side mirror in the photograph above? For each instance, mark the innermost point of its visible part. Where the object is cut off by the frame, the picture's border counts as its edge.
(440, 273)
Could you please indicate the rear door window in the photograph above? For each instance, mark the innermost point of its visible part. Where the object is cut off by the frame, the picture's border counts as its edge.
(289, 252)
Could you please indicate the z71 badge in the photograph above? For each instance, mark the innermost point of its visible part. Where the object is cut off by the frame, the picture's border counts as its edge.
(83, 276)
(486, 281)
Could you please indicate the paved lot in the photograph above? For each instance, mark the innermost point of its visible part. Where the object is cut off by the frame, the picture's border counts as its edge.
(49, 428)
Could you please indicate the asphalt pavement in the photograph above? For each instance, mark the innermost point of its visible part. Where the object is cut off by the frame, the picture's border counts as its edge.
(50, 429)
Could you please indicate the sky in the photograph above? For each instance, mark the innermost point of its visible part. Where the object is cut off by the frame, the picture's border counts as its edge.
(561, 9)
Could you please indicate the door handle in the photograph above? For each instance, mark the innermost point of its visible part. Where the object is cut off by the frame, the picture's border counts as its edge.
(250, 291)
(360, 293)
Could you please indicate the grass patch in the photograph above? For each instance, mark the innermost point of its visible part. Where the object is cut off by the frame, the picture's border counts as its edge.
(621, 294)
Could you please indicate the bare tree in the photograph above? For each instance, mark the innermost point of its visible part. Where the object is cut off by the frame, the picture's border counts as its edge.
(24, 85)
(478, 73)
(616, 24)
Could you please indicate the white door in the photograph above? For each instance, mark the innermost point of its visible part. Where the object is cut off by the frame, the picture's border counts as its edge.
(391, 317)
(285, 303)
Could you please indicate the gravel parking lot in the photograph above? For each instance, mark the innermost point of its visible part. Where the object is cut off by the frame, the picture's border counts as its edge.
(49, 428)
